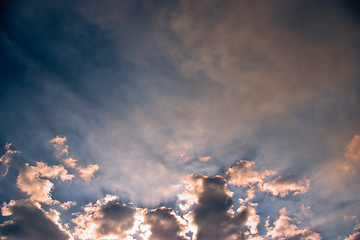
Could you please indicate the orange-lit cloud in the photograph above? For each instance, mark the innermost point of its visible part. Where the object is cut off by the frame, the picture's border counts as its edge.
(31, 180)
(244, 175)
(205, 158)
(106, 219)
(282, 186)
(356, 234)
(61, 149)
(88, 172)
(284, 228)
(352, 156)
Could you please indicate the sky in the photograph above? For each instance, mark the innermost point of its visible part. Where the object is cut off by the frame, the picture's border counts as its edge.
(180, 120)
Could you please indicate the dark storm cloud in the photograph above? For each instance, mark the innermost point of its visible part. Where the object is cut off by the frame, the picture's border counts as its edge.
(30, 223)
(212, 215)
(164, 224)
(114, 218)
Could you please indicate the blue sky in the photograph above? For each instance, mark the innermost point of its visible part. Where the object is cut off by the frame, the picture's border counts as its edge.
(127, 111)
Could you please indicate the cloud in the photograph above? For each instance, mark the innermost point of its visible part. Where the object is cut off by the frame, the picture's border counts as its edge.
(31, 222)
(61, 149)
(283, 186)
(243, 174)
(31, 180)
(88, 172)
(353, 149)
(356, 234)
(165, 224)
(352, 156)
(67, 205)
(252, 221)
(284, 228)
(6, 159)
(107, 218)
(205, 158)
(211, 209)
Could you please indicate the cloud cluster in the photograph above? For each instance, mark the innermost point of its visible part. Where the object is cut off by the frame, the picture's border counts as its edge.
(32, 180)
(106, 219)
(207, 210)
(284, 228)
(61, 149)
(31, 222)
(244, 175)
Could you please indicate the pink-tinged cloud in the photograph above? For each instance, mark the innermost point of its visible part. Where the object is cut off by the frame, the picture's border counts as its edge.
(356, 234)
(88, 172)
(352, 156)
(205, 158)
(60, 147)
(67, 205)
(252, 221)
(283, 186)
(285, 228)
(70, 162)
(244, 175)
(31, 180)
(353, 149)
(30, 221)
(106, 219)
(6, 159)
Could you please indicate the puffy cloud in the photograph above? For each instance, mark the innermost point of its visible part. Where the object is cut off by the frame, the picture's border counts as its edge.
(284, 228)
(6, 159)
(31, 222)
(88, 172)
(165, 224)
(212, 214)
(60, 147)
(282, 186)
(252, 221)
(30, 180)
(106, 219)
(356, 234)
(67, 205)
(244, 175)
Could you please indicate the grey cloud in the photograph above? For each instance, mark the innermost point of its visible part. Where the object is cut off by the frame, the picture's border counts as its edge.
(31, 223)
(212, 214)
(163, 224)
(114, 218)
(107, 217)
